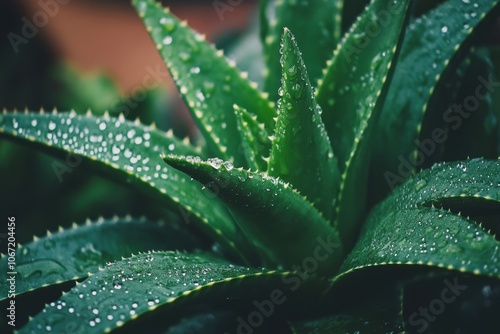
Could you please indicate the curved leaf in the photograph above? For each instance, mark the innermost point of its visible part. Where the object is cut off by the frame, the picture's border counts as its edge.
(301, 152)
(428, 237)
(363, 63)
(433, 47)
(255, 139)
(476, 136)
(407, 229)
(351, 89)
(129, 290)
(128, 152)
(270, 212)
(209, 83)
(472, 182)
(315, 24)
(73, 253)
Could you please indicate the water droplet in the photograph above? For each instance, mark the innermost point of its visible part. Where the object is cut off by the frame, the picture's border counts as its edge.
(52, 126)
(168, 23)
(208, 87)
(229, 166)
(444, 29)
(127, 153)
(420, 185)
(167, 40)
(215, 162)
(33, 122)
(184, 56)
(297, 91)
(102, 126)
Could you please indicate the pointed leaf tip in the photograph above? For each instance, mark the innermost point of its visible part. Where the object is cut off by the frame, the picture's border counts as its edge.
(301, 151)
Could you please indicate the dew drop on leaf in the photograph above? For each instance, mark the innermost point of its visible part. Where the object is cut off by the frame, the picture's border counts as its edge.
(167, 40)
(215, 162)
(420, 185)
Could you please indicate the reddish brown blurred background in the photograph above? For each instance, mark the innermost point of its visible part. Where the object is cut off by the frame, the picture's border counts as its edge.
(110, 37)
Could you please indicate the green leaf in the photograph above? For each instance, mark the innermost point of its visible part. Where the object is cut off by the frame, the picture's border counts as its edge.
(301, 151)
(129, 153)
(131, 289)
(407, 228)
(282, 225)
(477, 135)
(363, 63)
(350, 90)
(471, 182)
(255, 139)
(351, 12)
(427, 237)
(434, 47)
(209, 83)
(315, 24)
(71, 254)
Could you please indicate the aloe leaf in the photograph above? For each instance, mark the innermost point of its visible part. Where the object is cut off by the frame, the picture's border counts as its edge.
(449, 93)
(72, 253)
(414, 226)
(269, 211)
(475, 136)
(131, 289)
(301, 152)
(127, 152)
(351, 89)
(428, 237)
(255, 139)
(209, 83)
(317, 40)
(351, 12)
(364, 63)
(434, 46)
(471, 183)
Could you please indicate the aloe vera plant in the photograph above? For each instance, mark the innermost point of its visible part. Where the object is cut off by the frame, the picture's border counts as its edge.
(287, 183)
